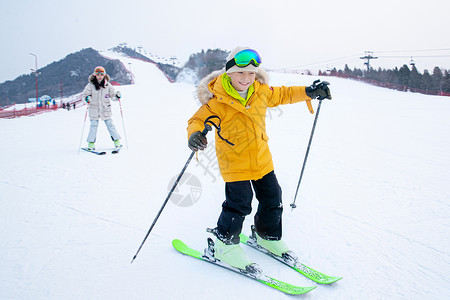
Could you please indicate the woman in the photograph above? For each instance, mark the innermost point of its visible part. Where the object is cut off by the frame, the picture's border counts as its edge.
(98, 94)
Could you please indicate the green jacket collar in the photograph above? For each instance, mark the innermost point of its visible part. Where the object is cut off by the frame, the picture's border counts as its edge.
(226, 84)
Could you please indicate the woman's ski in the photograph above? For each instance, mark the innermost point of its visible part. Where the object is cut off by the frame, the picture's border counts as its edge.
(94, 152)
(114, 151)
(117, 150)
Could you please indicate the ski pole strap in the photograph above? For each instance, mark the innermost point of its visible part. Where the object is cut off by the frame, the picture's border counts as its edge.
(206, 129)
(311, 109)
(218, 128)
(317, 84)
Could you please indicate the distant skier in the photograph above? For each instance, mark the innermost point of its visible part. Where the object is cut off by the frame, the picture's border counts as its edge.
(98, 93)
(240, 96)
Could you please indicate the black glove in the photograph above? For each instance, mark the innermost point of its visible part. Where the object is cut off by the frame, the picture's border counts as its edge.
(318, 90)
(197, 141)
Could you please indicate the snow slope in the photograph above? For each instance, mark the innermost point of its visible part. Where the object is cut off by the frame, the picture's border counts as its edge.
(373, 205)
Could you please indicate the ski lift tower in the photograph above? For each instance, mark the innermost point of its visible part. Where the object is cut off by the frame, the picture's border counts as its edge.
(36, 74)
(368, 56)
(412, 62)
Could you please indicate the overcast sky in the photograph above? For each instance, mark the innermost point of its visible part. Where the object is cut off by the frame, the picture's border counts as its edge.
(287, 34)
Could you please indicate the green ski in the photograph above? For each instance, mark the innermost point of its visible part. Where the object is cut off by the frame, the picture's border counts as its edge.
(293, 263)
(269, 281)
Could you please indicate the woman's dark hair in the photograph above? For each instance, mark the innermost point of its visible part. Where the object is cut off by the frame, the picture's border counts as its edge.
(97, 84)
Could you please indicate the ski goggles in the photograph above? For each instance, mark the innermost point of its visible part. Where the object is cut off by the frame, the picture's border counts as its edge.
(99, 70)
(244, 58)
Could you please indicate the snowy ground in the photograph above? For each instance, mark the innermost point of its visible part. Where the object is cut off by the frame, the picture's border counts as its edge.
(373, 205)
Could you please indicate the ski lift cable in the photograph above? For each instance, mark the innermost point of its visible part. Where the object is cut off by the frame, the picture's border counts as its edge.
(420, 50)
(327, 61)
(403, 56)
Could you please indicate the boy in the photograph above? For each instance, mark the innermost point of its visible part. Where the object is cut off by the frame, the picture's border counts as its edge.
(240, 97)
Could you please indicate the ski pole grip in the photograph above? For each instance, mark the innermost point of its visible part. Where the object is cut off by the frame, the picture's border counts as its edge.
(207, 128)
(324, 85)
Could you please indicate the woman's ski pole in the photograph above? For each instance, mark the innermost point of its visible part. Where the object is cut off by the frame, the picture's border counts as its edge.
(82, 131)
(204, 132)
(123, 123)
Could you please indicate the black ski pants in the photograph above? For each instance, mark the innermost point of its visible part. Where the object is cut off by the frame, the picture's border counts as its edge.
(239, 195)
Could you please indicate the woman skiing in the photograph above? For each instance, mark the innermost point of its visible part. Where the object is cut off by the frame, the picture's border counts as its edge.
(98, 94)
(240, 96)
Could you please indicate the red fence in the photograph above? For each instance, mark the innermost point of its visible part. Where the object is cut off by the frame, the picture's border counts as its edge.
(19, 110)
(26, 111)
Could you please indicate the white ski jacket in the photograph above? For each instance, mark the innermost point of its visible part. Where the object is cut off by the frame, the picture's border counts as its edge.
(100, 100)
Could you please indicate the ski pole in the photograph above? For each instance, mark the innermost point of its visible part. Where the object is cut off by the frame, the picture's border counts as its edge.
(293, 205)
(204, 132)
(123, 124)
(324, 83)
(82, 131)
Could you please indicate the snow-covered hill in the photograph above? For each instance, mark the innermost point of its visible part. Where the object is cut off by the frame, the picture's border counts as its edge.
(373, 205)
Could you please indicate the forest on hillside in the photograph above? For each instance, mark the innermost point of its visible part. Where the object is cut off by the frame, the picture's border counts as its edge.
(405, 78)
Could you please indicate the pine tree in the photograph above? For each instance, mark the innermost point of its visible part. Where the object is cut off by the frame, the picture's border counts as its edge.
(347, 70)
(427, 81)
(392, 76)
(403, 75)
(415, 78)
(437, 78)
(357, 72)
(203, 63)
(446, 82)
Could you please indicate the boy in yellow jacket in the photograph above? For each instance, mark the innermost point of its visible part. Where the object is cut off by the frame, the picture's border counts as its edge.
(240, 97)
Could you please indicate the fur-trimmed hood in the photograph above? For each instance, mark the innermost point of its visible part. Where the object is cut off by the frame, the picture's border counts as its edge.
(91, 77)
(204, 94)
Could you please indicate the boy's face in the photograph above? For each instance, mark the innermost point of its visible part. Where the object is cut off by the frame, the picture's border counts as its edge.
(241, 81)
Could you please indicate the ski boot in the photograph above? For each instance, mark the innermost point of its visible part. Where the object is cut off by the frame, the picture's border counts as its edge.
(117, 144)
(91, 146)
(276, 247)
(231, 254)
